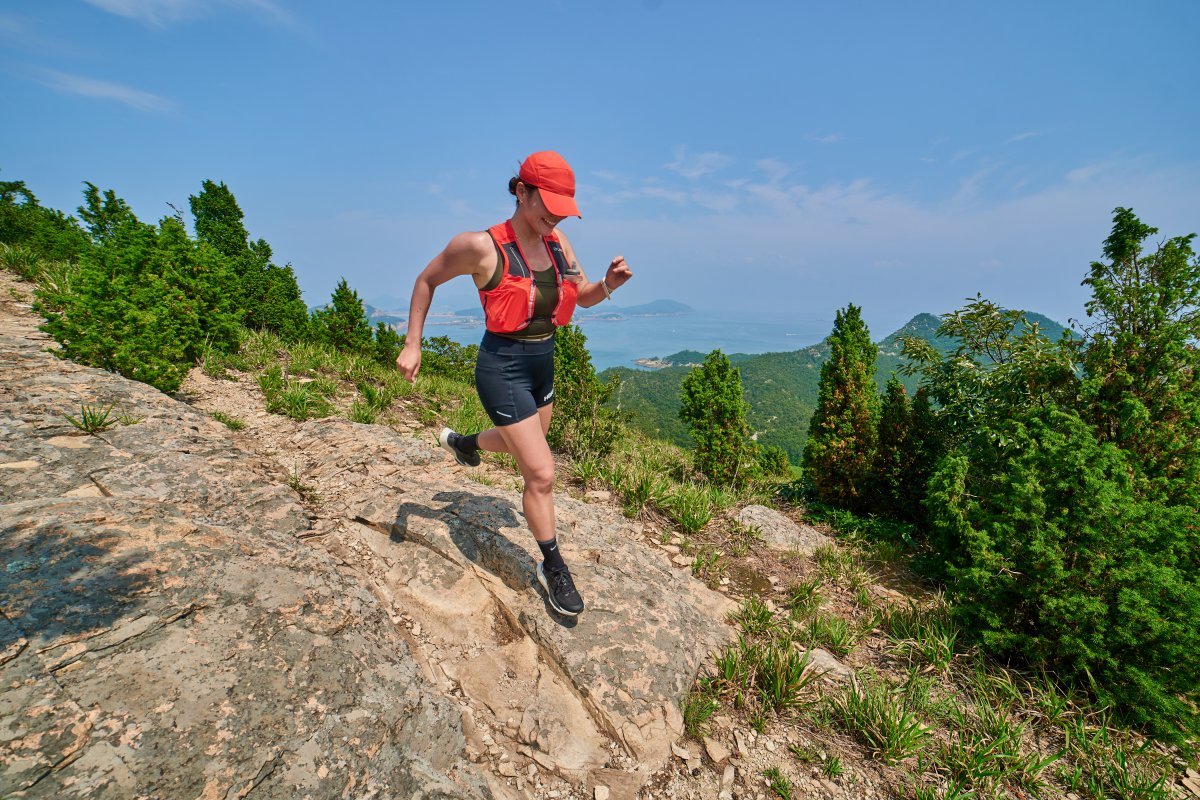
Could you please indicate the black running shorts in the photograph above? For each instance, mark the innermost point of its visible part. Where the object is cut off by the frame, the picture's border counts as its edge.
(514, 378)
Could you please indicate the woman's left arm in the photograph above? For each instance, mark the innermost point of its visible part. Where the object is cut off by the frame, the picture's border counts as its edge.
(593, 292)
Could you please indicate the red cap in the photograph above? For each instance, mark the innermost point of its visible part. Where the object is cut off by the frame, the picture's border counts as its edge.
(555, 181)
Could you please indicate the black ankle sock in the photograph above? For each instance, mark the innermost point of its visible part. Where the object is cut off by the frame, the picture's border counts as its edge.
(553, 558)
(468, 444)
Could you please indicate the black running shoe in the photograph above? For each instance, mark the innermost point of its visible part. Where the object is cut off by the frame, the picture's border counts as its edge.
(449, 441)
(561, 591)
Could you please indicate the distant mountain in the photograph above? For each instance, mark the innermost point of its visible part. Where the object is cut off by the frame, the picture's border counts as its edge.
(388, 318)
(373, 315)
(780, 387)
(655, 308)
(388, 302)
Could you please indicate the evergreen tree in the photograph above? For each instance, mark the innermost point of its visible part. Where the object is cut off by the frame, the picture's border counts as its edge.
(441, 355)
(1063, 520)
(1050, 556)
(582, 425)
(343, 323)
(714, 409)
(48, 234)
(144, 299)
(893, 455)
(926, 442)
(219, 220)
(387, 344)
(265, 296)
(1141, 359)
(842, 434)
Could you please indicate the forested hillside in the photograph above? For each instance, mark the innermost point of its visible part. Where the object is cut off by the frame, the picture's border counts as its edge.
(780, 387)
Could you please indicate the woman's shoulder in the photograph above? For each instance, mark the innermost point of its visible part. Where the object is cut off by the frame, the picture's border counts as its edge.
(469, 252)
(471, 243)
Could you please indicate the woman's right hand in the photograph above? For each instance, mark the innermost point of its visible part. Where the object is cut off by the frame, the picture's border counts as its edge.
(409, 363)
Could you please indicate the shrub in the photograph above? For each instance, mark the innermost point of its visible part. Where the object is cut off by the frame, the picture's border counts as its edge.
(1050, 556)
(342, 324)
(842, 433)
(713, 408)
(582, 425)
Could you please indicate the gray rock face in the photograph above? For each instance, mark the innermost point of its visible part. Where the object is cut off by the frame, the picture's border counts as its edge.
(163, 630)
(457, 558)
(780, 533)
(174, 623)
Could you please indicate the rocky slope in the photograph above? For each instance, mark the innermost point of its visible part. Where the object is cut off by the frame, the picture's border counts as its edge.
(175, 621)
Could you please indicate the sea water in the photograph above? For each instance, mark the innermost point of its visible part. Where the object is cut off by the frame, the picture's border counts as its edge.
(618, 342)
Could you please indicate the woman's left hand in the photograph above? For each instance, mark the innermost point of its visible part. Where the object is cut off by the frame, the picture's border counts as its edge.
(618, 273)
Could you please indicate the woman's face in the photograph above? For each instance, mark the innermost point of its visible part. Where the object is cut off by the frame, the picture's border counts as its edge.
(535, 211)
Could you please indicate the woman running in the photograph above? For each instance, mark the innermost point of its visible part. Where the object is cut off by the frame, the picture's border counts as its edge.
(529, 282)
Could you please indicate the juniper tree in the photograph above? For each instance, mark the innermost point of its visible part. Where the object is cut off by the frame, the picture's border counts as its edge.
(387, 344)
(266, 296)
(583, 425)
(927, 445)
(1063, 519)
(714, 409)
(343, 323)
(842, 434)
(47, 233)
(893, 461)
(145, 299)
(1141, 359)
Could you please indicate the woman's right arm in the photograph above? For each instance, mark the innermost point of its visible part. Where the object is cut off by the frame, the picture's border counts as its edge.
(466, 254)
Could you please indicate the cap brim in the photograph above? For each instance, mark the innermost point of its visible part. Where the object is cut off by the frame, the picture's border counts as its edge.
(560, 205)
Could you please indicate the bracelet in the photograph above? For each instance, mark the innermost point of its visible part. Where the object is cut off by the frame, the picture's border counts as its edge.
(604, 286)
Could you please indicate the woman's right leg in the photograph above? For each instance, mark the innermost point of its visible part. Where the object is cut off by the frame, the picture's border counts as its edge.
(526, 442)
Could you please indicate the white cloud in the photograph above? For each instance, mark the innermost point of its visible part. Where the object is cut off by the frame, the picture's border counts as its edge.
(80, 85)
(814, 247)
(697, 166)
(1020, 137)
(161, 13)
(829, 138)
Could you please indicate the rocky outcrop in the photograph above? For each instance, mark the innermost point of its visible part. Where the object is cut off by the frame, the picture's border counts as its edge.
(781, 533)
(165, 629)
(456, 558)
(174, 622)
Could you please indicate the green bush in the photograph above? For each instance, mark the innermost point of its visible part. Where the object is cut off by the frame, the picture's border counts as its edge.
(342, 324)
(713, 408)
(1050, 556)
(145, 301)
(582, 426)
(841, 437)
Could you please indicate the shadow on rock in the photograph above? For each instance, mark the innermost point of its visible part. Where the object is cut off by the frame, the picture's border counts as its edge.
(60, 580)
(479, 527)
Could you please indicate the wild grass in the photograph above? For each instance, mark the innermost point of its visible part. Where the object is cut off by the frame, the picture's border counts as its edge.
(877, 715)
(805, 598)
(93, 419)
(308, 493)
(698, 706)
(687, 504)
(21, 260)
(834, 633)
(586, 471)
(754, 617)
(778, 783)
(708, 567)
(922, 633)
(232, 423)
(741, 538)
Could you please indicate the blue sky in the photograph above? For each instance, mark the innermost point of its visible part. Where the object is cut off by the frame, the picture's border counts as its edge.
(788, 156)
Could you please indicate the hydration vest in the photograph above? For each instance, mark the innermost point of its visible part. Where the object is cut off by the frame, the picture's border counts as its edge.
(508, 307)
